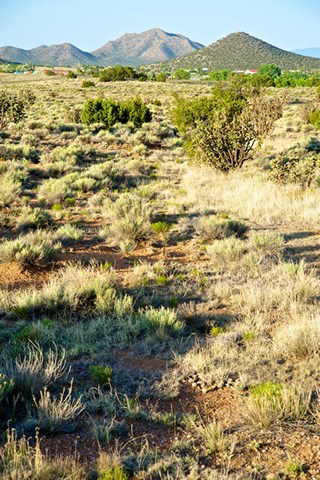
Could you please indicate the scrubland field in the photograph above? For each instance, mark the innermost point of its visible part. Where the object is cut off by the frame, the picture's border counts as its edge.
(158, 319)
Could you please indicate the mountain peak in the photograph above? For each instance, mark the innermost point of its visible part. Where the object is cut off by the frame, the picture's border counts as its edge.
(151, 46)
(241, 51)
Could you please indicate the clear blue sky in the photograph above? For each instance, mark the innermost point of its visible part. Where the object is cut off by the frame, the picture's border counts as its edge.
(88, 24)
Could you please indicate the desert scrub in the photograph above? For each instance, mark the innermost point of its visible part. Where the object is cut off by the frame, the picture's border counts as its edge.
(10, 189)
(37, 369)
(33, 218)
(161, 323)
(270, 403)
(302, 168)
(61, 160)
(267, 244)
(69, 233)
(298, 340)
(100, 374)
(226, 252)
(130, 218)
(74, 290)
(212, 228)
(34, 248)
(6, 387)
(54, 190)
(56, 414)
(223, 130)
(110, 112)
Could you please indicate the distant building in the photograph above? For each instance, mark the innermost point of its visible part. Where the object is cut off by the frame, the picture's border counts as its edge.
(250, 72)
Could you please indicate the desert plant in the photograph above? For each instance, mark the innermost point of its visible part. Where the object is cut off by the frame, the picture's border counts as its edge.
(20, 460)
(226, 251)
(100, 374)
(13, 106)
(6, 386)
(57, 414)
(87, 84)
(271, 402)
(267, 243)
(69, 233)
(211, 228)
(10, 189)
(34, 248)
(130, 218)
(223, 131)
(161, 322)
(33, 218)
(294, 167)
(298, 340)
(110, 112)
(74, 290)
(37, 369)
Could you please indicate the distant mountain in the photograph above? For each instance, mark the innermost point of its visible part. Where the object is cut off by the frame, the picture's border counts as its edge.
(309, 52)
(152, 46)
(64, 54)
(131, 49)
(240, 51)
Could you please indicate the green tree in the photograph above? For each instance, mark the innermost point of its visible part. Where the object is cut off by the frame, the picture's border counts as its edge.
(117, 73)
(219, 75)
(224, 129)
(110, 112)
(181, 74)
(270, 69)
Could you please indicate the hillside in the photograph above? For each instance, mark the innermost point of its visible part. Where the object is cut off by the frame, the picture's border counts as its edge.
(151, 46)
(64, 54)
(240, 51)
(131, 49)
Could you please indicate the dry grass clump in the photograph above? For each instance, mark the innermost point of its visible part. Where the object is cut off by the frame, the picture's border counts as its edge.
(298, 340)
(213, 228)
(270, 403)
(34, 248)
(57, 414)
(10, 189)
(267, 243)
(37, 369)
(226, 252)
(20, 460)
(74, 290)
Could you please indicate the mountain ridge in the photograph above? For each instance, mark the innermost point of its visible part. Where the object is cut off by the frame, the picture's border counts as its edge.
(241, 51)
(132, 49)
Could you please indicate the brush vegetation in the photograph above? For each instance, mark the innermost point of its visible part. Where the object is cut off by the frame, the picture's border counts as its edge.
(159, 317)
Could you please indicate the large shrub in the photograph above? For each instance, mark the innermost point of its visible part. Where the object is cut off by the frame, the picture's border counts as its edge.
(110, 112)
(117, 73)
(13, 106)
(224, 129)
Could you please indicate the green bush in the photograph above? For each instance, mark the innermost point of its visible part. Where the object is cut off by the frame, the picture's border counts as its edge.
(223, 130)
(100, 374)
(87, 84)
(294, 167)
(6, 387)
(117, 73)
(35, 248)
(314, 118)
(13, 106)
(110, 112)
(115, 473)
(72, 75)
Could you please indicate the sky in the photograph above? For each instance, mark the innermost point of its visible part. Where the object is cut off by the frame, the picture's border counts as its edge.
(89, 24)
